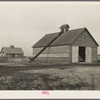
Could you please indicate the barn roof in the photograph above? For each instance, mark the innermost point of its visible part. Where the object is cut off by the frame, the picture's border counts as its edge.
(45, 40)
(66, 38)
(12, 50)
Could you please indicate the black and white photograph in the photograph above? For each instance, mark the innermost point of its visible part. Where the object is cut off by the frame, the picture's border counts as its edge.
(49, 45)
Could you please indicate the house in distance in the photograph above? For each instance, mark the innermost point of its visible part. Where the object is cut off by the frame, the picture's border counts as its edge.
(12, 52)
(72, 46)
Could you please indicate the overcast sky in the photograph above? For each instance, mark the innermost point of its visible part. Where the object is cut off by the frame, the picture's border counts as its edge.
(22, 24)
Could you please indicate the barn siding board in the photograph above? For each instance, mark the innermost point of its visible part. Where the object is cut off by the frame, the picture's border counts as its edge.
(59, 49)
(53, 60)
(19, 56)
(15, 55)
(94, 54)
(9, 55)
(84, 40)
(70, 54)
(37, 50)
(3, 55)
(54, 54)
(53, 50)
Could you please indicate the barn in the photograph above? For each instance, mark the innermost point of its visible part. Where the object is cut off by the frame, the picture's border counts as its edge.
(71, 46)
(12, 52)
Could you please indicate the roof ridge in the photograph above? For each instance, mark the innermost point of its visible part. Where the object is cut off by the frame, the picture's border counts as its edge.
(68, 30)
(52, 33)
(77, 29)
(10, 47)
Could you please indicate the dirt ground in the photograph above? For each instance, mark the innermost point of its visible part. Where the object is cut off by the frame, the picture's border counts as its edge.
(14, 76)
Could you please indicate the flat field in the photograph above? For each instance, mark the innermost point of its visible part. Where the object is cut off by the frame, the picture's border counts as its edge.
(14, 76)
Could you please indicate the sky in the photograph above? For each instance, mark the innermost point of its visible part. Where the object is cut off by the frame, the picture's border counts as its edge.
(22, 24)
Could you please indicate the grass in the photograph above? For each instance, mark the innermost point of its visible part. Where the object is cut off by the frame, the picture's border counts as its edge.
(67, 77)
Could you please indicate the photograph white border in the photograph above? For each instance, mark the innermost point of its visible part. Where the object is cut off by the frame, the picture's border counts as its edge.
(53, 94)
(66, 94)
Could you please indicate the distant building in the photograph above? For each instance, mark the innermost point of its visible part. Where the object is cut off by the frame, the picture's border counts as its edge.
(12, 52)
(71, 46)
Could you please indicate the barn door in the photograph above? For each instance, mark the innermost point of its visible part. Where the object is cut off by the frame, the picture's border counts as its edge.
(88, 54)
(74, 53)
(82, 54)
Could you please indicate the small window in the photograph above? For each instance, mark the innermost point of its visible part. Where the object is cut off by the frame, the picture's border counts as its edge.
(84, 37)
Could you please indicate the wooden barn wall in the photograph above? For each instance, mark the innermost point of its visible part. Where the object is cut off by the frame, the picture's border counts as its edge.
(3, 55)
(9, 55)
(15, 55)
(52, 50)
(94, 54)
(84, 40)
(18, 55)
(53, 60)
(54, 54)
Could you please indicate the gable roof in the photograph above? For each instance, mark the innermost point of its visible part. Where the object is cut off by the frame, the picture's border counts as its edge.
(66, 38)
(45, 40)
(12, 50)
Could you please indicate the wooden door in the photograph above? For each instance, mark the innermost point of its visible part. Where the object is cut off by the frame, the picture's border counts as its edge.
(75, 53)
(88, 54)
